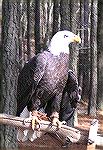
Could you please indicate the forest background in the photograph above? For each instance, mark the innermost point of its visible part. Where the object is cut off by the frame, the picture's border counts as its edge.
(26, 29)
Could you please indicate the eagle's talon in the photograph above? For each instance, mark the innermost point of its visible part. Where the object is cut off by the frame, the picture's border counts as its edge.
(26, 120)
(63, 122)
(57, 123)
(55, 120)
(35, 123)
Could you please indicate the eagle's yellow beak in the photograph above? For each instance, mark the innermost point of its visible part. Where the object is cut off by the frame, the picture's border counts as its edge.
(77, 39)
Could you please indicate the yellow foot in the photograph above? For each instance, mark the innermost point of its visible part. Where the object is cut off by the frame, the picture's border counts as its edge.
(58, 123)
(55, 120)
(35, 122)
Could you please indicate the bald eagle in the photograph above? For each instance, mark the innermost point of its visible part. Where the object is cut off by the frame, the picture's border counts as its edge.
(45, 76)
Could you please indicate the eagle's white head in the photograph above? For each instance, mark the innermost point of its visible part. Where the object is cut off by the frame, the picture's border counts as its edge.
(61, 40)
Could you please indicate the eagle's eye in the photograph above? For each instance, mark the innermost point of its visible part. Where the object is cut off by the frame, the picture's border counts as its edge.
(65, 36)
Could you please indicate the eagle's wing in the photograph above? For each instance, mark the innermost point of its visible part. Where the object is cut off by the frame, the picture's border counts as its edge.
(29, 78)
(73, 89)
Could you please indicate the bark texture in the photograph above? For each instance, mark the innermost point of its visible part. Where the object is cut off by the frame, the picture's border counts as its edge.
(93, 60)
(9, 65)
(100, 54)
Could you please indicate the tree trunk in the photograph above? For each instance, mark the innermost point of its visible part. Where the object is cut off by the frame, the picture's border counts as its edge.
(73, 25)
(9, 64)
(37, 26)
(93, 60)
(100, 54)
(65, 14)
(48, 22)
(86, 66)
(74, 49)
(28, 30)
(20, 34)
(56, 12)
(81, 59)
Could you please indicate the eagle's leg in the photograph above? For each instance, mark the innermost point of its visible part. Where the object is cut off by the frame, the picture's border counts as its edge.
(55, 109)
(34, 120)
(55, 120)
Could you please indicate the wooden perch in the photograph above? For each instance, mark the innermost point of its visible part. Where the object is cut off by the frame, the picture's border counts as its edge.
(76, 135)
(45, 126)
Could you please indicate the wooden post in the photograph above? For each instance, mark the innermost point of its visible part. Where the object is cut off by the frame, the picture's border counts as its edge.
(92, 135)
